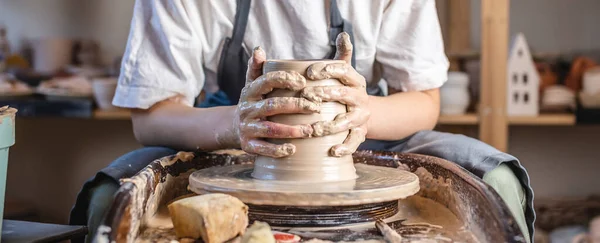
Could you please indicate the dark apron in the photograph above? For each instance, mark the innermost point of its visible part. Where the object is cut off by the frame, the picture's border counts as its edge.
(473, 155)
(231, 73)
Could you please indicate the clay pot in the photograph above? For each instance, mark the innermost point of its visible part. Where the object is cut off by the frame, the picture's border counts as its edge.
(454, 95)
(312, 161)
(51, 54)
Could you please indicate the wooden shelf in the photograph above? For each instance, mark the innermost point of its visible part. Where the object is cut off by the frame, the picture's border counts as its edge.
(541, 120)
(544, 120)
(112, 115)
(466, 119)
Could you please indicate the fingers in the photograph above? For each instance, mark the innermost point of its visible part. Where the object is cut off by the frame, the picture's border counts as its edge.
(260, 147)
(255, 64)
(342, 122)
(342, 94)
(350, 145)
(341, 71)
(278, 105)
(267, 129)
(344, 48)
(273, 80)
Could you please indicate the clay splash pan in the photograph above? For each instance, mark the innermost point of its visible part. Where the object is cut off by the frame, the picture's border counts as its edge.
(477, 213)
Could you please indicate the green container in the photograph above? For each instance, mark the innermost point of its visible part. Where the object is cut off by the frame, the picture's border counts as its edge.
(7, 139)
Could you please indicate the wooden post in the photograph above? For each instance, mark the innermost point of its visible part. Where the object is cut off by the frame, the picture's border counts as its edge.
(459, 28)
(493, 127)
(443, 11)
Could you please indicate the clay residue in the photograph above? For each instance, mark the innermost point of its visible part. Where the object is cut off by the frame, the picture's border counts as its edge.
(180, 156)
(232, 152)
(6, 111)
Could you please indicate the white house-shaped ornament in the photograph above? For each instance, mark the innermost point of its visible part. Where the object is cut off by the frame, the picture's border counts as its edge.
(523, 80)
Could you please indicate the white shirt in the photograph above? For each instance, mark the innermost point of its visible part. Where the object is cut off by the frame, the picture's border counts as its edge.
(174, 46)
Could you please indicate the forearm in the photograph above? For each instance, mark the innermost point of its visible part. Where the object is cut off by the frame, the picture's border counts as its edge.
(399, 115)
(172, 124)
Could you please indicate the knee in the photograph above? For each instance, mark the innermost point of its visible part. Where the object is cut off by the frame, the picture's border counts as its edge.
(506, 183)
(101, 198)
(509, 187)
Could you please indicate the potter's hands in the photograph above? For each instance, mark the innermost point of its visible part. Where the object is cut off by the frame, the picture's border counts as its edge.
(250, 124)
(353, 95)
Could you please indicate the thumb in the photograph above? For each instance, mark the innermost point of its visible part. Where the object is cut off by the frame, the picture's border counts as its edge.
(255, 64)
(344, 48)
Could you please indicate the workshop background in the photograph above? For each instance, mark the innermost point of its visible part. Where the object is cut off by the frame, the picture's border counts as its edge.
(57, 149)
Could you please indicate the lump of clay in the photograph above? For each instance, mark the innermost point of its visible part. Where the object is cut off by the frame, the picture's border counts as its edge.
(213, 217)
(259, 232)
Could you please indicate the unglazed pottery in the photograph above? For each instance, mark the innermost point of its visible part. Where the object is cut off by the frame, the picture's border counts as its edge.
(312, 161)
(454, 95)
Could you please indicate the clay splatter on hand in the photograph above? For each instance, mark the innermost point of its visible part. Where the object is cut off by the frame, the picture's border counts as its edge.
(353, 95)
(250, 124)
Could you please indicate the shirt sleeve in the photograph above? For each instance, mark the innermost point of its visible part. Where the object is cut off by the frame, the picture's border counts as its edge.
(163, 56)
(410, 47)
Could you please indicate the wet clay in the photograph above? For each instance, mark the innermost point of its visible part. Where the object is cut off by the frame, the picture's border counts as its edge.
(312, 160)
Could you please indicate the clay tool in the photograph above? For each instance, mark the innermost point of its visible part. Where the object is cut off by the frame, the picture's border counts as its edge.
(389, 235)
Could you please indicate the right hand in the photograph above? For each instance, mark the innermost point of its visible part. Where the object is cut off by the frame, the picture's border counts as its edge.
(251, 125)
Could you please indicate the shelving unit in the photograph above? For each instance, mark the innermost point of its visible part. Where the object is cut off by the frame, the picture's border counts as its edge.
(466, 119)
(541, 120)
(544, 120)
(112, 115)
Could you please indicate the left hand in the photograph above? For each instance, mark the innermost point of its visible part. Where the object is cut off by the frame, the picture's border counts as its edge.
(353, 94)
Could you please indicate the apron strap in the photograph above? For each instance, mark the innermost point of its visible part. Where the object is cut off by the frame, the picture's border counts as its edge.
(337, 25)
(239, 27)
(231, 73)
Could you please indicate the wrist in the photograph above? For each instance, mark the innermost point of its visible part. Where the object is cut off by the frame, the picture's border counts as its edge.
(371, 104)
(227, 136)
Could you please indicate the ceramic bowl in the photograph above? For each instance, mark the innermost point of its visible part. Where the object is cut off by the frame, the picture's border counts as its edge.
(104, 91)
(454, 94)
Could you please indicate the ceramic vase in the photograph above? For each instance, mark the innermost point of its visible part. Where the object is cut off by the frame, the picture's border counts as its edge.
(454, 94)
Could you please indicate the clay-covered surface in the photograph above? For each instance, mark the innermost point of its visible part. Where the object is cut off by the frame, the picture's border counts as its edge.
(451, 206)
(6, 111)
(375, 184)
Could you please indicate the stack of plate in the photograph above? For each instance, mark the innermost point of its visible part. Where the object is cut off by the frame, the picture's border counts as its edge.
(558, 97)
(66, 87)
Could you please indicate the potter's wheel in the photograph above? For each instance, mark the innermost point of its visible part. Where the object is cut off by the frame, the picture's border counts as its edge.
(374, 184)
(373, 195)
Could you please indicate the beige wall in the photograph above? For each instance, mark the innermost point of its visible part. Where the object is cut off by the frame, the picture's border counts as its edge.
(106, 21)
(53, 157)
(549, 25)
